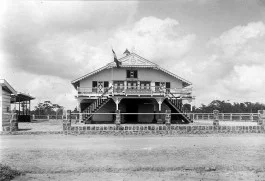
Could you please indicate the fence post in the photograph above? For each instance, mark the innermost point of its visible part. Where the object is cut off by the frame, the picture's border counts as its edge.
(208, 116)
(13, 122)
(223, 116)
(215, 118)
(231, 117)
(240, 117)
(67, 120)
(48, 117)
(251, 117)
(261, 115)
(168, 117)
(80, 117)
(33, 117)
(118, 117)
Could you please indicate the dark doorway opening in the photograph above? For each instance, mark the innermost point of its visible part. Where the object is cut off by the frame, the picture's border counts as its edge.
(131, 107)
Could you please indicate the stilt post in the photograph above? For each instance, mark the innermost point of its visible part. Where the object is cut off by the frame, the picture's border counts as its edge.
(118, 118)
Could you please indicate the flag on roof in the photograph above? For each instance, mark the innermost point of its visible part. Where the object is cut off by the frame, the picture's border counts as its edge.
(118, 63)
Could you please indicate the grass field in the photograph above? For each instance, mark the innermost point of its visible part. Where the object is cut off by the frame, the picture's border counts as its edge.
(190, 157)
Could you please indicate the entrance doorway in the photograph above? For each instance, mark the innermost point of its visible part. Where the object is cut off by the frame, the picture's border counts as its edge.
(131, 107)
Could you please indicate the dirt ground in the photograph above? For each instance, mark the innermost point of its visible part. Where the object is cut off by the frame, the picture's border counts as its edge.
(41, 125)
(190, 157)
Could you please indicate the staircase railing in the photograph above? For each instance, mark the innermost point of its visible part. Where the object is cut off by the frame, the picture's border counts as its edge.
(96, 104)
(175, 101)
(178, 104)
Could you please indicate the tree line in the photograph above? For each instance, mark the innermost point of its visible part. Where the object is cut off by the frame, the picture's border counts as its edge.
(48, 108)
(227, 107)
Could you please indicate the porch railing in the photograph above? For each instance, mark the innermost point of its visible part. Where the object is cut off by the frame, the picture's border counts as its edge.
(134, 90)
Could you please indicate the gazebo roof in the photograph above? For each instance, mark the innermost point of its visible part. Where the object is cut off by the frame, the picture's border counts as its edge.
(20, 97)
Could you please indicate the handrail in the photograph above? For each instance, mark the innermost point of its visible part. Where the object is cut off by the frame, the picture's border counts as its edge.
(96, 103)
(153, 89)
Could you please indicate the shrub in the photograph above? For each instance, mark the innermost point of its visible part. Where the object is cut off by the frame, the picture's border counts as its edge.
(6, 173)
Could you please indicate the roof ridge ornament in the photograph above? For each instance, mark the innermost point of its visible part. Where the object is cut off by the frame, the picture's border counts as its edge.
(127, 52)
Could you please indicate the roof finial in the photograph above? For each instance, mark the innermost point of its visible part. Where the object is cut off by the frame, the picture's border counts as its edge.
(127, 52)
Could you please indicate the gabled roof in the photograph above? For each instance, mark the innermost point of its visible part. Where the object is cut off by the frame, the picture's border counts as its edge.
(6, 86)
(133, 60)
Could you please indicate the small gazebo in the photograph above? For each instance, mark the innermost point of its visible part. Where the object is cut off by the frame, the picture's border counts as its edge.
(22, 100)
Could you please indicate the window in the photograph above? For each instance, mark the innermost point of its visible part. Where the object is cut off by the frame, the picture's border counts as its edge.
(99, 86)
(132, 74)
(94, 84)
(106, 84)
(162, 85)
(145, 84)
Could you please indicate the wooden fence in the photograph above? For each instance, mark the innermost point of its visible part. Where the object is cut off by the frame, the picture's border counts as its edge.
(194, 116)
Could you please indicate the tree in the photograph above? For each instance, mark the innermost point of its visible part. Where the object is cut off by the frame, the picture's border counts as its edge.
(226, 107)
(47, 108)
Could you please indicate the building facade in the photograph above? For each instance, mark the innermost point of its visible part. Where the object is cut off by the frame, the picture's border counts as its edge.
(6, 90)
(138, 87)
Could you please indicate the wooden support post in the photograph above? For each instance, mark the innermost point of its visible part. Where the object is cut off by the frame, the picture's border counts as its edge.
(118, 117)
(117, 100)
(19, 107)
(240, 117)
(223, 116)
(79, 110)
(159, 120)
(231, 117)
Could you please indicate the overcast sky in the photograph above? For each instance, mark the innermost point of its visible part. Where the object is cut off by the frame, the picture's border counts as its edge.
(219, 46)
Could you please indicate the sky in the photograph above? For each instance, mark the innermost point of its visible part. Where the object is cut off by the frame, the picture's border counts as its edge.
(217, 45)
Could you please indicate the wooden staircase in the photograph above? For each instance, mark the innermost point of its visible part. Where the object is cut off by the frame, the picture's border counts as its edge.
(176, 107)
(95, 106)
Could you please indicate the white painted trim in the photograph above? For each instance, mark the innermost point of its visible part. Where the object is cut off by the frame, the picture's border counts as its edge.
(3, 82)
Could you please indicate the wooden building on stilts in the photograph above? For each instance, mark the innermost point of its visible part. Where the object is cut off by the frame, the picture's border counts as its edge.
(132, 84)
